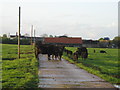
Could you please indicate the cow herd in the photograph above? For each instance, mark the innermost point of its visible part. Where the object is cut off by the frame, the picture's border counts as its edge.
(55, 52)
(80, 52)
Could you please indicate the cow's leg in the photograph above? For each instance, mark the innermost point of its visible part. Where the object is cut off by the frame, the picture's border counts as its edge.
(76, 58)
(85, 55)
(82, 55)
(60, 57)
(56, 57)
(49, 57)
(53, 56)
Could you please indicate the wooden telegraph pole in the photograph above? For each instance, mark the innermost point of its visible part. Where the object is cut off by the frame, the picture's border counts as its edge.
(31, 33)
(19, 34)
(34, 36)
(34, 42)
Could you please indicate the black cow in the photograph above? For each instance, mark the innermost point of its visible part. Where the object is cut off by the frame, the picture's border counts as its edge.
(41, 48)
(83, 52)
(69, 52)
(58, 51)
(84, 55)
(79, 51)
(102, 51)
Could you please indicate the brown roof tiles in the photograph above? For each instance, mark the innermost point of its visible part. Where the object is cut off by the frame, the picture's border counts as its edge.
(68, 40)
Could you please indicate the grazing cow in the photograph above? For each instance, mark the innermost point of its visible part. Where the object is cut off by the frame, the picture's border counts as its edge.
(65, 50)
(84, 55)
(83, 52)
(69, 53)
(75, 55)
(79, 51)
(102, 51)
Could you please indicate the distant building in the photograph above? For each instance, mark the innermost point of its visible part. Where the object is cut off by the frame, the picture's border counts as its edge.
(15, 36)
(106, 38)
(12, 36)
(91, 43)
(104, 43)
(26, 36)
(67, 41)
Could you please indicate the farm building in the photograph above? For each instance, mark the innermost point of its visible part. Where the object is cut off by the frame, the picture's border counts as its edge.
(67, 41)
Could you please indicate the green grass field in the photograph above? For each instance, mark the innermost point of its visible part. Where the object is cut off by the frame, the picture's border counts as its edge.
(19, 73)
(103, 65)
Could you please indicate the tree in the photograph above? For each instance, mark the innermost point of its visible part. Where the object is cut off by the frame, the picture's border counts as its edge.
(101, 39)
(116, 41)
(50, 35)
(4, 35)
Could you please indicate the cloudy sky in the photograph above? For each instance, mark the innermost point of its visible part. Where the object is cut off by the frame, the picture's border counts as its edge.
(89, 19)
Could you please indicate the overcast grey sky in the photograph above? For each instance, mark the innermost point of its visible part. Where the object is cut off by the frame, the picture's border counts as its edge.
(89, 19)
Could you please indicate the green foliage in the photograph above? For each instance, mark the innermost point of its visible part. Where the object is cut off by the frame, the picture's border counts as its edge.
(50, 35)
(4, 35)
(116, 41)
(15, 41)
(101, 64)
(101, 39)
(19, 73)
(117, 38)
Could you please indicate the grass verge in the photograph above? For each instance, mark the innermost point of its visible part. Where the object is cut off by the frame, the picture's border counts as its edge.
(19, 73)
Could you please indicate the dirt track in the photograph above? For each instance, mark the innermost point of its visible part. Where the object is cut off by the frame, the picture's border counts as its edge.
(62, 74)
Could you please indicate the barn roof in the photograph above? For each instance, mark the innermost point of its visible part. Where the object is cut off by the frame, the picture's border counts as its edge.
(66, 40)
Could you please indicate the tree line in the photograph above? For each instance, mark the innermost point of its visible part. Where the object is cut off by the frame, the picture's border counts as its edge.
(115, 42)
(6, 40)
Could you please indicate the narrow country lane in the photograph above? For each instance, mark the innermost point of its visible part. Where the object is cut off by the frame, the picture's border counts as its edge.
(62, 74)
